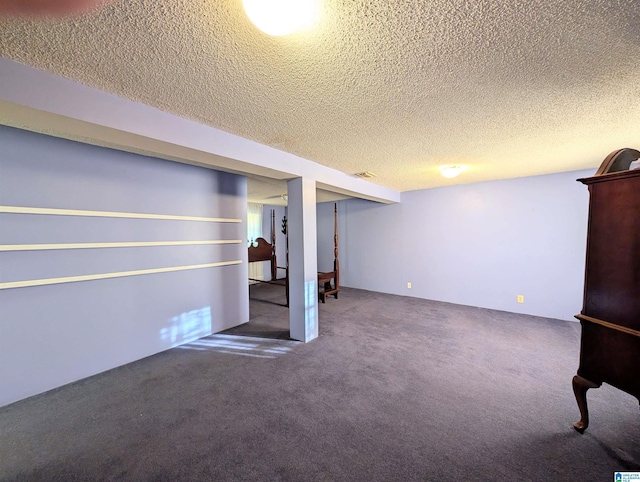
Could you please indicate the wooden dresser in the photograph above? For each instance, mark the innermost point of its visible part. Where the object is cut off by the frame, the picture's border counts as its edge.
(610, 317)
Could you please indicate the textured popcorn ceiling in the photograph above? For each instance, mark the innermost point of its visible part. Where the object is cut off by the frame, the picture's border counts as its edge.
(508, 88)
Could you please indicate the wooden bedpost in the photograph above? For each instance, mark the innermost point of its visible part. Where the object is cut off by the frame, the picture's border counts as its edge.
(274, 264)
(336, 261)
(324, 279)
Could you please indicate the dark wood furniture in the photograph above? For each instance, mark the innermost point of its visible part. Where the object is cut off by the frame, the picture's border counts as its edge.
(325, 288)
(610, 317)
(261, 250)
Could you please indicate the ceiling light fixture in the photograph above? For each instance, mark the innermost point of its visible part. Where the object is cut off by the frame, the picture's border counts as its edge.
(451, 171)
(366, 174)
(280, 17)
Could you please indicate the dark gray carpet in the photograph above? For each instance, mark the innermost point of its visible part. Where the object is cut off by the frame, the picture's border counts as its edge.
(269, 315)
(394, 388)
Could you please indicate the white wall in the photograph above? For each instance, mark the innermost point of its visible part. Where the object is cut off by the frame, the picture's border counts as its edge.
(477, 244)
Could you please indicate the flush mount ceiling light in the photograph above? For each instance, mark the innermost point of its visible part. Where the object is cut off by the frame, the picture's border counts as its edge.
(366, 174)
(280, 17)
(451, 171)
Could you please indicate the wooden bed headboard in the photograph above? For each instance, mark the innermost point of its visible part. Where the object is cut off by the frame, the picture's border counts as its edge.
(261, 250)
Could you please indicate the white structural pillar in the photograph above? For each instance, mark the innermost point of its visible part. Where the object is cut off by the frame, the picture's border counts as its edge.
(303, 260)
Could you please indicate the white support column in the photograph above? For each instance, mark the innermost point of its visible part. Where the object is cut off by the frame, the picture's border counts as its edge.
(303, 260)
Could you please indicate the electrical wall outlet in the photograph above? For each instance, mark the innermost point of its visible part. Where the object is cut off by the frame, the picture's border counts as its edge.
(520, 298)
(409, 284)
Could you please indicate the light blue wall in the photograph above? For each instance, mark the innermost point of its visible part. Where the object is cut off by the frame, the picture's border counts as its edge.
(56, 334)
(371, 246)
(477, 244)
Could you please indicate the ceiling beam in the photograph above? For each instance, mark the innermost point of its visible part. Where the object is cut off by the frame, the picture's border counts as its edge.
(43, 102)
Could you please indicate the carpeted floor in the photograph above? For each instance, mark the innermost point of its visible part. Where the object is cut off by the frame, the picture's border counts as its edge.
(268, 314)
(394, 389)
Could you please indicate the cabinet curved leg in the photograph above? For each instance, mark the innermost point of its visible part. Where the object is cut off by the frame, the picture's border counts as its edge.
(580, 387)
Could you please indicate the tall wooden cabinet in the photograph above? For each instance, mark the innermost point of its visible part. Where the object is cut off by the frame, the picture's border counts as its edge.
(610, 317)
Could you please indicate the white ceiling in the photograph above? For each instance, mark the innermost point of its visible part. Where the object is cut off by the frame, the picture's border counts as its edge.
(508, 88)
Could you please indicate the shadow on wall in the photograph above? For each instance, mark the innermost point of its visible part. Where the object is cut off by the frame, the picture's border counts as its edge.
(187, 327)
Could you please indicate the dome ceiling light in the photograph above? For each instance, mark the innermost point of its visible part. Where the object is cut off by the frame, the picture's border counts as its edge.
(451, 171)
(281, 17)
